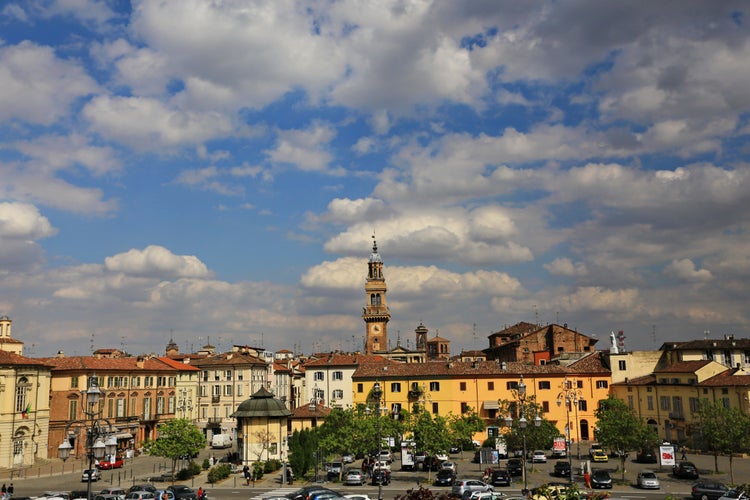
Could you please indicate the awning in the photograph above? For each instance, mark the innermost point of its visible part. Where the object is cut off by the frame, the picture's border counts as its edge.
(124, 435)
(491, 405)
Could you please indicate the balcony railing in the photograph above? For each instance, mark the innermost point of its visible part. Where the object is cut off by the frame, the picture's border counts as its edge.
(215, 399)
(676, 416)
(214, 420)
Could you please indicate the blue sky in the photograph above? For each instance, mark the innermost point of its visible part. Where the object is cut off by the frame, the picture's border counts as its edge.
(199, 170)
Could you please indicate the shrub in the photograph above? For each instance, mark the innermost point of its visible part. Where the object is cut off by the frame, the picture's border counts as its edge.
(218, 473)
(271, 466)
(183, 474)
(206, 464)
(258, 470)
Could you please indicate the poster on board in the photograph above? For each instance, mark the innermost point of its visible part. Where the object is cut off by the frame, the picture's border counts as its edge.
(666, 454)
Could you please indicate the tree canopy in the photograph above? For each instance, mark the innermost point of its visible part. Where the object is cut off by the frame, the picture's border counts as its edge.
(176, 438)
(722, 430)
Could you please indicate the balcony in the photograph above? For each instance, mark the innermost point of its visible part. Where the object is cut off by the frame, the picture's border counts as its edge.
(415, 393)
(676, 416)
(215, 399)
(214, 420)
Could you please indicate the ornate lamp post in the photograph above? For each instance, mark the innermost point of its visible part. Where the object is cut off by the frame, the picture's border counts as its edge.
(99, 441)
(377, 393)
(572, 396)
(520, 396)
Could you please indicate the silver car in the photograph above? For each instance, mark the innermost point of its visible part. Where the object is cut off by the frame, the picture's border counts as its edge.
(465, 487)
(647, 479)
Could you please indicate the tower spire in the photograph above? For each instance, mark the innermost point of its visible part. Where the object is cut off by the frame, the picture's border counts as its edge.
(375, 313)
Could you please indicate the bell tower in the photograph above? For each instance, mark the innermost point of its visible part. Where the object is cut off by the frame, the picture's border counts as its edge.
(375, 313)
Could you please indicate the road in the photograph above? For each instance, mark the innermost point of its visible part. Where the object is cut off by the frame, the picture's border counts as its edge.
(58, 476)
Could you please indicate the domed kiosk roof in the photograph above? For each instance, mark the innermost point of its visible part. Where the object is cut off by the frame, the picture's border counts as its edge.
(261, 404)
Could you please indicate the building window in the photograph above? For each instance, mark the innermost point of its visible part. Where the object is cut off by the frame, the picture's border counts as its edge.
(650, 402)
(72, 409)
(490, 386)
(434, 386)
(664, 403)
(21, 390)
(462, 387)
(338, 375)
(338, 394)
(601, 384)
(622, 365)
(239, 389)
(544, 384)
(464, 408)
(318, 376)
(360, 387)
(203, 391)
(582, 405)
(120, 407)
(228, 390)
(512, 385)
(435, 408)
(725, 402)
(133, 407)
(216, 390)
(228, 374)
(74, 382)
(545, 406)
(396, 387)
(160, 405)
(630, 402)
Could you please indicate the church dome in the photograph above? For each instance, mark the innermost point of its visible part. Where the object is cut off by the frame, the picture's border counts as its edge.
(261, 404)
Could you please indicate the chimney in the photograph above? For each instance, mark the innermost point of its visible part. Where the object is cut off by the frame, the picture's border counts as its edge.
(60, 353)
(139, 362)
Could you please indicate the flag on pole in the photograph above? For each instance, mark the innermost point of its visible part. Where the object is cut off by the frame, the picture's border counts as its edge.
(26, 411)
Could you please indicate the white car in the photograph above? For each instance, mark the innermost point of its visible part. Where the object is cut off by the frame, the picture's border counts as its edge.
(382, 465)
(448, 465)
(733, 495)
(539, 457)
(442, 456)
(647, 479)
(358, 496)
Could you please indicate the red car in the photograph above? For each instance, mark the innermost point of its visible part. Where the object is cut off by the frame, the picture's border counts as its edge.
(106, 464)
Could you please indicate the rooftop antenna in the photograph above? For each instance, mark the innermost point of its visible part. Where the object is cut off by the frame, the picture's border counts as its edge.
(92, 343)
(474, 337)
(706, 333)
(536, 315)
(122, 343)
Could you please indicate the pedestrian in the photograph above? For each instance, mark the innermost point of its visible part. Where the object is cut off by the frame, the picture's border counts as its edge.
(3, 492)
(10, 491)
(200, 492)
(246, 473)
(587, 479)
(684, 453)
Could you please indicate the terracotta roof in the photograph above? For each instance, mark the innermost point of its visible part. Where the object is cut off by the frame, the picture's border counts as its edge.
(591, 363)
(442, 369)
(90, 363)
(644, 380)
(728, 378)
(437, 339)
(229, 359)
(305, 411)
(341, 359)
(9, 340)
(279, 367)
(178, 365)
(517, 329)
(10, 358)
(684, 366)
(706, 344)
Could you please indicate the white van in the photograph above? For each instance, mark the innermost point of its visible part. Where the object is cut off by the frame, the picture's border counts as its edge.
(221, 441)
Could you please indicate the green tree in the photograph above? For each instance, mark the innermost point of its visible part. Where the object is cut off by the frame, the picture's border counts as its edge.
(463, 427)
(620, 429)
(302, 446)
(722, 430)
(431, 434)
(176, 438)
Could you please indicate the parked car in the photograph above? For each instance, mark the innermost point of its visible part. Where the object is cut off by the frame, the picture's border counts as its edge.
(140, 495)
(420, 457)
(462, 486)
(107, 464)
(594, 448)
(514, 466)
(600, 478)
(646, 457)
(109, 497)
(355, 496)
(734, 494)
(308, 492)
(113, 491)
(599, 456)
(347, 458)
(562, 469)
(448, 465)
(486, 495)
(380, 476)
(708, 490)
(182, 492)
(159, 494)
(90, 475)
(685, 470)
(454, 449)
(647, 480)
(500, 477)
(445, 477)
(77, 495)
(386, 456)
(355, 477)
(555, 491)
(142, 487)
(442, 456)
(539, 457)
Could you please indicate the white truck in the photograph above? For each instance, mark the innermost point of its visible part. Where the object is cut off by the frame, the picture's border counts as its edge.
(407, 458)
(502, 451)
(221, 441)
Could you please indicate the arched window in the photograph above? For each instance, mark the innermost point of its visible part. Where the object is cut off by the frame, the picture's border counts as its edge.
(21, 390)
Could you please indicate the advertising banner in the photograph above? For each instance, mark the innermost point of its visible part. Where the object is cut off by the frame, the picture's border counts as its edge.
(666, 455)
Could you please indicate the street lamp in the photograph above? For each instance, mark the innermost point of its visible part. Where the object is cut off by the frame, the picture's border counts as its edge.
(314, 408)
(572, 397)
(520, 396)
(99, 442)
(377, 393)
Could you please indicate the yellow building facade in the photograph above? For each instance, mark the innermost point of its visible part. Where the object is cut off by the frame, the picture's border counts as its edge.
(455, 388)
